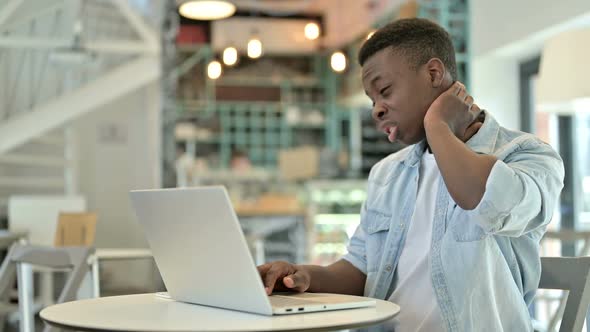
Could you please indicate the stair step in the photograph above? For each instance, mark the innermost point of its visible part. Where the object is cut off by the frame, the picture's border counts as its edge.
(33, 160)
(31, 182)
(49, 140)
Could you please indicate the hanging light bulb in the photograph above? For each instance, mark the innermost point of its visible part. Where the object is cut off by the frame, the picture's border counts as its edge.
(370, 34)
(230, 56)
(312, 31)
(254, 48)
(338, 61)
(214, 70)
(207, 9)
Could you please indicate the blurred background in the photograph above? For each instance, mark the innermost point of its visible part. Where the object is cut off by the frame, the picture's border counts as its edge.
(99, 97)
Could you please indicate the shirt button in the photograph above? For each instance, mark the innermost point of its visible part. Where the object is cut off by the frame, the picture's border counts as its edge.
(401, 225)
(388, 268)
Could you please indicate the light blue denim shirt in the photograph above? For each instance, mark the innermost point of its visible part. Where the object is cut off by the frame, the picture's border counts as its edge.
(485, 262)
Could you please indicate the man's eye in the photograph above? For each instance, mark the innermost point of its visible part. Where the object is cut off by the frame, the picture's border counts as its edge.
(384, 90)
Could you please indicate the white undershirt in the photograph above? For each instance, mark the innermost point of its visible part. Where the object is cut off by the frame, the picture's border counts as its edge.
(413, 283)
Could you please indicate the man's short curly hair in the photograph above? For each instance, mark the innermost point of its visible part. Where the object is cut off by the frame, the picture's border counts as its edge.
(419, 40)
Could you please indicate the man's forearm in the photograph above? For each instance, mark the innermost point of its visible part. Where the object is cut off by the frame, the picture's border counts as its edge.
(465, 172)
(340, 277)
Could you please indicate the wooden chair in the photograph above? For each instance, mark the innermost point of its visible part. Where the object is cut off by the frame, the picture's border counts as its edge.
(75, 229)
(571, 274)
(73, 245)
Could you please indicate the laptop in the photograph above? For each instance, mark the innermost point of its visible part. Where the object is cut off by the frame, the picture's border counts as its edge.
(203, 257)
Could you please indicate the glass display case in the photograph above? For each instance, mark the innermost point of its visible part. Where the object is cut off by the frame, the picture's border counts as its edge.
(334, 207)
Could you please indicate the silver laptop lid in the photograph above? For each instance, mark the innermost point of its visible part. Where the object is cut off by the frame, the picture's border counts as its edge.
(199, 247)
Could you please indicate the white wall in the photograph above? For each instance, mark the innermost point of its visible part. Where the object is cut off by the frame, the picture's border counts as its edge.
(118, 149)
(496, 24)
(495, 88)
(505, 33)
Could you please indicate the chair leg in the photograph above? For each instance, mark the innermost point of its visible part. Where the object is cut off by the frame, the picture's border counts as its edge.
(86, 288)
(558, 314)
(46, 291)
(95, 276)
(24, 274)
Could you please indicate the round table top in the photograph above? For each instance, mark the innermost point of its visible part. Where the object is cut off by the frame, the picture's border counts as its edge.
(148, 312)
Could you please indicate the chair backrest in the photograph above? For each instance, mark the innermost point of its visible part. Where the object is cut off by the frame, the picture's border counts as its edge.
(572, 274)
(75, 229)
(38, 215)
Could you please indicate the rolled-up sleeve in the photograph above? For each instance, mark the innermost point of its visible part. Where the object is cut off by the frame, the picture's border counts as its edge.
(522, 191)
(356, 250)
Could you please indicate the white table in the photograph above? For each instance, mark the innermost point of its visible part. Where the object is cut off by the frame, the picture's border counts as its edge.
(147, 312)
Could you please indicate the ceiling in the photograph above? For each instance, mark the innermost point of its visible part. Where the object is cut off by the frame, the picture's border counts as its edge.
(279, 23)
(283, 7)
(279, 7)
(42, 56)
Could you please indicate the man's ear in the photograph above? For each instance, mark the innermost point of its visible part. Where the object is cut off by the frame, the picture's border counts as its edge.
(436, 71)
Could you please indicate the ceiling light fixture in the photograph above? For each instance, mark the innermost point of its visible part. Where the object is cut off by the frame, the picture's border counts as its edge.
(207, 10)
(338, 61)
(312, 31)
(254, 48)
(214, 70)
(230, 56)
